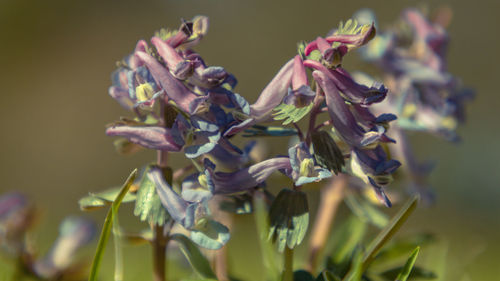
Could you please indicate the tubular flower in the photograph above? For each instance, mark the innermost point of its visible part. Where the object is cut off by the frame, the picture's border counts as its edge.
(425, 95)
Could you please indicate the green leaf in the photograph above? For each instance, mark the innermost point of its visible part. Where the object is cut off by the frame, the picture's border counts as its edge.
(301, 275)
(290, 113)
(327, 276)
(385, 235)
(102, 199)
(148, 206)
(356, 270)
(326, 152)
(365, 210)
(405, 272)
(416, 273)
(269, 131)
(199, 263)
(289, 216)
(266, 248)
(106, 229)
(400, 247)
(315, 55)
(210, 234)
(350, 235)
(389, 231)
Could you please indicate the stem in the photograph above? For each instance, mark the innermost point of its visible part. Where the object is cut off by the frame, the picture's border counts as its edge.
(118, 250)
(159, 253)
(288, 266)
(160, 236)
(318, 100)
(331, 197)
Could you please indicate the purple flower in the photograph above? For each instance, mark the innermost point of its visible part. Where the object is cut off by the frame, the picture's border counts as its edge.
(304, 168)
(373, 167)
(153, 137)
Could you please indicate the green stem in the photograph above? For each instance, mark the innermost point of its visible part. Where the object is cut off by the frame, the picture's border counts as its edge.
(118, 250)
(288, 265)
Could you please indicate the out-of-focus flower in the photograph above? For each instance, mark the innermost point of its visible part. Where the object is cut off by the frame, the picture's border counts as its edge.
(74, 233)
(424, 95)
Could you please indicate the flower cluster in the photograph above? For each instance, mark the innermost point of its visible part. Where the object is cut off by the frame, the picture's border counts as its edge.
(183, 105)
(425, 97)
(413, 56)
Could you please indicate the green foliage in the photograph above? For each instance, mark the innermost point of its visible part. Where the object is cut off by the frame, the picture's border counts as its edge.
(350, 27)
(327, 276)
(269, 131)
(106, 229)
(326, 152)
(381, 239)
(148, 206)
(366, 211)
(102, 199)
(289, 216)
(405, 272)
(350, 235)
(290, 113)
(199, 263)
(210, 234)
(266, 248)
(417, 273)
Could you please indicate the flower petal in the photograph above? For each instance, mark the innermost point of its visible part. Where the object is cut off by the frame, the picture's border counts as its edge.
(148, 136)
(182, 96)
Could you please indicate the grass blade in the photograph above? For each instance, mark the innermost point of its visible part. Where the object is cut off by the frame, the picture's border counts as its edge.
(403, 275)
(385, 235)
(266, 248)
(106, 229)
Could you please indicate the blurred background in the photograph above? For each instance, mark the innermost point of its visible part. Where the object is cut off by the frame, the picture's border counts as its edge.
(56, 58)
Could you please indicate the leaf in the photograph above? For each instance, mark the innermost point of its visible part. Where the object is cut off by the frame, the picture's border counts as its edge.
(326, 152)
(350, 235)
(290, 113)
(106, 229)
(269, 131)
(301, 275)
(327, 276)
(210, 234)
(405, 272)
(366, 211)
(266, 248)
(148, 205)
(401, 247)
(199, 263)
(416, 273)
(289, 216)
(388, 232)
(102, 199)
(385, 235)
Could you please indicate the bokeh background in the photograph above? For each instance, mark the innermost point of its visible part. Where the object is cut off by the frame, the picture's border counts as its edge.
(55, 63)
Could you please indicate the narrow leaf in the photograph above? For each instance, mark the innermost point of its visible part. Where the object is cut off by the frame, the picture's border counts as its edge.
(403, 275)
(385, 235)
(266, 248)
(102, 199)
(106, 229)
(389, 231)
(199, 263)
(366, 211)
